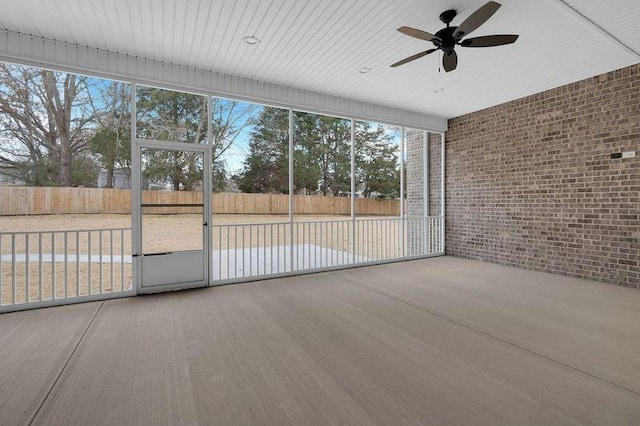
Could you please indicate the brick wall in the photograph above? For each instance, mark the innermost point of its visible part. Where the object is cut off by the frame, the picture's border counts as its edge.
(416, 235)
(530, 182)
(415, 173)
(435, 169)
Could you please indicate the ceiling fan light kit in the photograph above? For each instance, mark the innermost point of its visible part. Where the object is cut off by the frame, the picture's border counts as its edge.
(449, 37)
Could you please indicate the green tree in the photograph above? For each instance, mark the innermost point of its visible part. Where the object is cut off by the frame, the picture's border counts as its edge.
(109, 147)
(377, 170)
(182, 117)
(322, 156)
(307, 171)
(335, 142)
(266, 168)
(230, 119)
(85, 170)
(177, 117)
(111, 143)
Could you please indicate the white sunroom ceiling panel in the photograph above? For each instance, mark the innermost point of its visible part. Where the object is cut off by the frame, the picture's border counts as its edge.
(620, 18)
(320, 45)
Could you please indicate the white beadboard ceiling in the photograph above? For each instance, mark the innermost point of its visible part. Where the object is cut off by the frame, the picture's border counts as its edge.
(321, 45)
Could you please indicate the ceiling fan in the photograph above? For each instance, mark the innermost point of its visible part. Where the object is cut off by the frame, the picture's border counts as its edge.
(448, 38)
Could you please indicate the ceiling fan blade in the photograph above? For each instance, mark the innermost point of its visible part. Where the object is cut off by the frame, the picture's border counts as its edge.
(422, 35)
(450, 61)
(476, 19)
(488, 41)
(414, 57)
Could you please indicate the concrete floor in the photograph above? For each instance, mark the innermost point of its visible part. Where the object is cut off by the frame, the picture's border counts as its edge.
(436, 341)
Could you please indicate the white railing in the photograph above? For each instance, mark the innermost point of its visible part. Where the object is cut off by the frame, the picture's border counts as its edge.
(54, 267)
(51, 267)
(242, 251)
(424, 235)
(249, 250)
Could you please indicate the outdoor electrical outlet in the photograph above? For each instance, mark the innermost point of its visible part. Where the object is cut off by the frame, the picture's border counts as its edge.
(627, 154)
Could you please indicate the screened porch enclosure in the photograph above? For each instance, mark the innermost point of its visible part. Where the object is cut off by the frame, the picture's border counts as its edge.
(219, 191)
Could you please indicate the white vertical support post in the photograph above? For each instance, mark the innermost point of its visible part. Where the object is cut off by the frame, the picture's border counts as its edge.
(27, 268)
(136, 220)
(402, 184)
(291, 201)
(425, 192)
(121, 263)
(14, 288)
(207, 197)
(39, 254)
(402, 137)
(353, 191)
(442, 189)
(425, 171)
(110, 262)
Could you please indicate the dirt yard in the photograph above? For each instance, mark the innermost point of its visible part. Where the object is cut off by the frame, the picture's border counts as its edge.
(185, 222)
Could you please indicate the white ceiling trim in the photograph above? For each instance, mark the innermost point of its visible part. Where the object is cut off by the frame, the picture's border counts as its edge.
(576, 14)
(26, 49)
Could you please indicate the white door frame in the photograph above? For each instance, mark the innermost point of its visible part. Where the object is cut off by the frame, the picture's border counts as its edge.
(170, 262)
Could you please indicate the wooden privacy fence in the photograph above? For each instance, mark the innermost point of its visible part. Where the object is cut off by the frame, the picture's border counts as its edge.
(35, 201)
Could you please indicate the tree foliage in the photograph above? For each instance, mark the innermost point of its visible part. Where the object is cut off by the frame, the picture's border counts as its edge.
(266, 167)
(321, 156)
(111, 143)
(377, 171)
(182, 117)
(165, 115)
(46, 120)
(60, 129)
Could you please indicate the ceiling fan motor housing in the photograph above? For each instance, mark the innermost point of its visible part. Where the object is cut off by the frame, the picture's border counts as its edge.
(447, 41)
